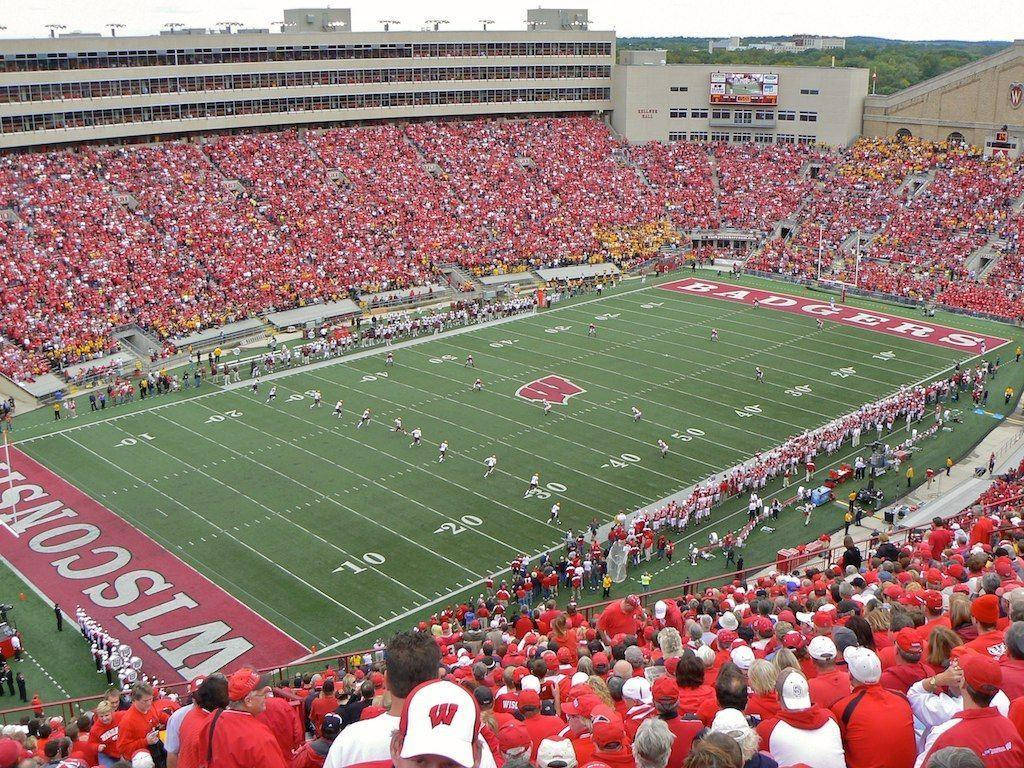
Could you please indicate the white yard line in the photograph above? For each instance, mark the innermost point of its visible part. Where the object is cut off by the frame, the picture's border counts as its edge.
(711, 524)
(222, 531)
(637, 397)
(759, 351)
(332, 500)
(499, 440)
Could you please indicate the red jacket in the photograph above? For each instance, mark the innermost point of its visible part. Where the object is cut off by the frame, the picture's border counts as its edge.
(1013, 678)
(283, 721)
(826, 689)
(877, 727)
(133, 729)
(986, 733)
(239, 740)
(684, 730)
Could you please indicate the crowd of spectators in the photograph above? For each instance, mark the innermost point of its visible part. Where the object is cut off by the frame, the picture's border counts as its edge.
(903, 655)
(184, 235)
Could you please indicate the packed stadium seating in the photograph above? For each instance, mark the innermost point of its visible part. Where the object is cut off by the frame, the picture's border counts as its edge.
(187, 235)
(883, 654)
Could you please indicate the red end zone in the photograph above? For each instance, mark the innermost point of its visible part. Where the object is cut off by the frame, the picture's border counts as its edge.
(929, 333)
(77, 552)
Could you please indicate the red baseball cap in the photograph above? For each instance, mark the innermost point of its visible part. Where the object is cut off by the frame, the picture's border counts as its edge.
(581, 705)
(981, 672)
(529, 699)
(934, 576)
(632, 601)
(824, 619)
(793, 640)
(608, 733)
(665, 689)
(242, 683)
(513, 737)
(933, 600)
(909, 641)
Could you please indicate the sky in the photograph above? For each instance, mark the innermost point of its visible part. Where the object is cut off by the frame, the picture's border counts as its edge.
(904, 19)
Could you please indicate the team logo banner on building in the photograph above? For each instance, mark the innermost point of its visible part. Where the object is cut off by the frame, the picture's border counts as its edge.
(1016, 94)
(75, 551)
(967, 342)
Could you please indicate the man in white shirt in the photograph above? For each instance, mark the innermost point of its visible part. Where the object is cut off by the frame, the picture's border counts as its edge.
(412, 658)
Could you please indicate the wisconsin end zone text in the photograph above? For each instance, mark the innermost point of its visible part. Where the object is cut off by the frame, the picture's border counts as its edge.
(75, 551)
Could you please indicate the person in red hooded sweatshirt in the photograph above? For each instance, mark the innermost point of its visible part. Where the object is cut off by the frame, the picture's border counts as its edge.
(693, 691)
(985, 613)
(539, 726)
(283, 721)
(877, 725)
(979, 726)
(803, 732)
(909, 668)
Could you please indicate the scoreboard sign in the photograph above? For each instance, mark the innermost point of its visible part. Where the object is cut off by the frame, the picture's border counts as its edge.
(744, 88)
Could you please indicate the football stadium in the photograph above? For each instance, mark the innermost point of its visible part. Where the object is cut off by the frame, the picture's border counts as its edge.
(482, 398)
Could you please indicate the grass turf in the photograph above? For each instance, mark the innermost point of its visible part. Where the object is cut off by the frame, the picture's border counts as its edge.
(340, 536)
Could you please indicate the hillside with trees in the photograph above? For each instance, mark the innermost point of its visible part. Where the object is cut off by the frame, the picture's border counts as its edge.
(898, 63)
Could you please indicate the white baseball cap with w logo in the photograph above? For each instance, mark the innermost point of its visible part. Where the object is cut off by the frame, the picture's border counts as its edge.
(440, 718)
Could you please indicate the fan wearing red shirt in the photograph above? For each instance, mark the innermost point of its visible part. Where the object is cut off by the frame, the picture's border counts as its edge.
(939, 538)
(81, 747)
(234, 738)
(979, 727)
(909, 668)
(140, 727)
(539, 726)
(666, 702)
(618, 618)
(985, 612)
(830, 684)
(322, 704)
(211, 695)
(104, 730)
(981, 531)
(877, 725)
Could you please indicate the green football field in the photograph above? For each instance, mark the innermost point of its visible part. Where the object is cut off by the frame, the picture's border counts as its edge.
(339, 535)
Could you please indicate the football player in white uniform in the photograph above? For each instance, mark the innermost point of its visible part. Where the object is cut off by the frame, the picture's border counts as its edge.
(490, 462)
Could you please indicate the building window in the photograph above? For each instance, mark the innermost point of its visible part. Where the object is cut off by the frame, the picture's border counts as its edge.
(679, 89)
(716, 136)
(697, 112)
(677, 136)
(762, 138)
(809, 91)
(721, 114)
(786, 114)
(808, 117)
(677, 113)
(806, 139)
(737, 137)
(764, 114)
(699, 136)
(786, 138)
(742, 116)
